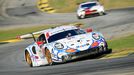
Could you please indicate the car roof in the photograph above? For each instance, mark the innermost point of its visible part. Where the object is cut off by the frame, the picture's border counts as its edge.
(88, 2)
(58, 29)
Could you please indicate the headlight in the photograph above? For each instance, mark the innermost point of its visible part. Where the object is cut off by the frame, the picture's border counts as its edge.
(82, 11)
(96, 36)
(59, 46)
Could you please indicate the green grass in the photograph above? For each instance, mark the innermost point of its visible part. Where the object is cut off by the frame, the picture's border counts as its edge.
(122, 43)
(64, 5)
(12, 33)
(121, 47)
(114, 4)
(71, 5)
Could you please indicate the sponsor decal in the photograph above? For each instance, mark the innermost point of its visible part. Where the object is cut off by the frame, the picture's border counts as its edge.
(95, 36)
(71, 50)
(81, 46)
(95, 44)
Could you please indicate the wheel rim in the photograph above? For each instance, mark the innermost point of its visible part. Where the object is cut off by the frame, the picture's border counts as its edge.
(101, 13)
(48, 57)
(82, 16)
(28, 59)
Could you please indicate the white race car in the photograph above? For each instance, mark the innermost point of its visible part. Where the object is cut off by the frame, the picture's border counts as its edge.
(89, 8)
(64, 43)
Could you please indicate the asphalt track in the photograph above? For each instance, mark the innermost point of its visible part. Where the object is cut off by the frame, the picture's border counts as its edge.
(116, 22)
(12, 62)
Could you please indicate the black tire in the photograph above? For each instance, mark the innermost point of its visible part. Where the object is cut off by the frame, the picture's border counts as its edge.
(82, 17)
(104, 13)
(101, 13)
(108, 51)
(78, 17)
(28, 59)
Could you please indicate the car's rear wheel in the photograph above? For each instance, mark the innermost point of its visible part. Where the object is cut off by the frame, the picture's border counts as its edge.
(48, 57)
(28, 59)
(101, 13)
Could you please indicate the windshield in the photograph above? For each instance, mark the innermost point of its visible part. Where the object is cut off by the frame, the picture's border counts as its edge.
(65, 34)
(89, 5)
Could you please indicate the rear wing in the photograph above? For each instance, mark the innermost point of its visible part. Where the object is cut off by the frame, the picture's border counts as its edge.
(31, 35)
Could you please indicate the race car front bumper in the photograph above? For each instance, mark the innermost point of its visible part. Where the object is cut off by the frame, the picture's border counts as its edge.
(91, 51)
(90, 12)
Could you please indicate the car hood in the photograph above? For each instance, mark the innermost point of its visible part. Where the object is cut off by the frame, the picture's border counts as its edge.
(79, 42)
(95, 7)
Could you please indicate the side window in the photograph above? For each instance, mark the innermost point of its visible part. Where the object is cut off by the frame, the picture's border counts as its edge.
(42, 38)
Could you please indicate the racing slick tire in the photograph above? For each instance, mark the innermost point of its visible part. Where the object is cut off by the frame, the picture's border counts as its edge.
(104, 50)
(101, 13)
(78, 17)
(48, 57)
(108, 51)
(81, 17)
(28, 59)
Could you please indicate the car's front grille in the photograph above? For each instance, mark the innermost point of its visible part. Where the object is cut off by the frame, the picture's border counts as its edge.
(84, 53)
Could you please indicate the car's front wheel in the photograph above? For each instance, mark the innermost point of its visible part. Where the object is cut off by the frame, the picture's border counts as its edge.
(28, 59)
(104, 50)
(48, 57)
(81, 17)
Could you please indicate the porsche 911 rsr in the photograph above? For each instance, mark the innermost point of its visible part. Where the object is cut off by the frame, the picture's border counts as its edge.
(64, 43)
(89, 8)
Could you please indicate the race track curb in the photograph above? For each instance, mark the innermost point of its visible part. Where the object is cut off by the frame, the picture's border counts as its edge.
(11, 41)
(44, 6)
(119, 53)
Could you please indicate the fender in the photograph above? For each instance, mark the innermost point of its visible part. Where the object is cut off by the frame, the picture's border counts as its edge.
(29, 50)
(37, 59)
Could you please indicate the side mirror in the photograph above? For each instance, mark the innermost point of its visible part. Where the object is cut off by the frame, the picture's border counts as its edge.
(88, 30)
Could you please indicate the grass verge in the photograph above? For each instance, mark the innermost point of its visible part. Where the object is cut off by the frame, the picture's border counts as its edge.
(71, 5)
(121, 43)
(12, 33)
(121, 47)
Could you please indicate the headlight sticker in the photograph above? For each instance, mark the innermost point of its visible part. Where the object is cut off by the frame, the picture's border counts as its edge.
(96, 36)
(58, 46)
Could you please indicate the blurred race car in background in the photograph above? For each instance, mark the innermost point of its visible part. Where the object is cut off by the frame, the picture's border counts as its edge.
(64, 43)
(89, 8)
